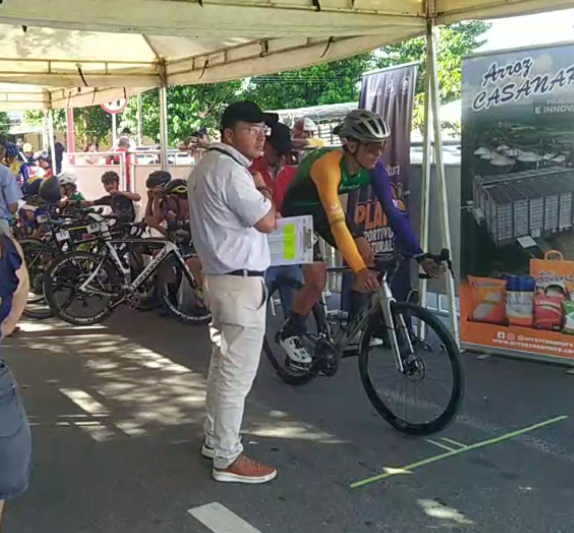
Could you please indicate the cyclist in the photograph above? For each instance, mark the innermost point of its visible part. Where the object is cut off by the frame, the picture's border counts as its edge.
(176, 213)
(69, 188)
(121, 203)
(321, 178)
(154, 213)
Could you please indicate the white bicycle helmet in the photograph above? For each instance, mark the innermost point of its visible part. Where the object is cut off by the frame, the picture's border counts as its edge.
(363, 125)
(67, 178)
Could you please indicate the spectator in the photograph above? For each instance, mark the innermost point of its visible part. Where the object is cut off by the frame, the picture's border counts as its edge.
(120, 202)
(127, 133)
(277, 173)
(59, 148)
(123, 146)
(230, 213)
(91, 148)
(16, 442)
(44, 162)
(15, 162)
(28, 151)
(305, 135)
(10, 194)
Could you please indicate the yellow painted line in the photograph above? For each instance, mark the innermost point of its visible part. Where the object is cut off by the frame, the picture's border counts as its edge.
(440, 445)
(454, 442)
(407, 469)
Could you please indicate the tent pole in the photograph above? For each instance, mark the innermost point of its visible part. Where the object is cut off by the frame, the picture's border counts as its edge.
(70, 134)
(163, 126)
(432, 73)
(140, 120)
(114, 130)
(425, 182)
(51, 140)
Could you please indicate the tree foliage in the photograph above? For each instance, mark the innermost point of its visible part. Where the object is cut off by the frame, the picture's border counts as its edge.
(90, 123)
(188, 108)
(328, 83)
(4, 123)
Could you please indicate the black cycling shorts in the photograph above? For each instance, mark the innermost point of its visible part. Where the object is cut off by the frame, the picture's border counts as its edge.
(321, 225)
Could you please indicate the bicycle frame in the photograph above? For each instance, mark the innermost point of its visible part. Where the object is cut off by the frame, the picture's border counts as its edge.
(167, 249)
(384, 299)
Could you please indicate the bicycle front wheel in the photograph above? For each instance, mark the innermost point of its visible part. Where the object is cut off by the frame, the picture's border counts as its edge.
(91, 305)
(426, 396)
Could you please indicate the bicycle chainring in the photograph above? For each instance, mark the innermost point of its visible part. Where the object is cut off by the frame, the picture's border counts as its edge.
(327, 357)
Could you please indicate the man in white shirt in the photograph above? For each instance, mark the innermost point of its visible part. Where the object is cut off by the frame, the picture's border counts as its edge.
(230, 214)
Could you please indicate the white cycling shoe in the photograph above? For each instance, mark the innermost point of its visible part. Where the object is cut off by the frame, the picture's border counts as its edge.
(295, 350)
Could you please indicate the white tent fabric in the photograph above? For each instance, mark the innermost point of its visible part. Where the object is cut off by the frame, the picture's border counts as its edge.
(83, 53)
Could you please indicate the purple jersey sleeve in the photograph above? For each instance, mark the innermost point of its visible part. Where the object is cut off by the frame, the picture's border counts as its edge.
(405, 236)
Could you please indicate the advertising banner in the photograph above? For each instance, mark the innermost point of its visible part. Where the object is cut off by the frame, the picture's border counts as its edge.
(517, 256)
(390, 93)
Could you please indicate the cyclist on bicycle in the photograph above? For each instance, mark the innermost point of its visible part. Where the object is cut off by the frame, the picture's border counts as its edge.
(321, 178)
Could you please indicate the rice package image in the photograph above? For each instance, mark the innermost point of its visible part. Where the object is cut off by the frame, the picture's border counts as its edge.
(517, 198)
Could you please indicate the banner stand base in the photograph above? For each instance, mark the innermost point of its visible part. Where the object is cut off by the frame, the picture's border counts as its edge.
(516, 354)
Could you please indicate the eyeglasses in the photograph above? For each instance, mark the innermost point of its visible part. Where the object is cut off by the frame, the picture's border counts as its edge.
(257, 130)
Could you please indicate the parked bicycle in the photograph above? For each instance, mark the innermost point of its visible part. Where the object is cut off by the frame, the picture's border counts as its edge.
(106, 277)
(404, 335)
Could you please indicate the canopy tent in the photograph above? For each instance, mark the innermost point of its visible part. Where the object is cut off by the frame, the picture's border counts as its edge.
(89, 52)
(84, 53)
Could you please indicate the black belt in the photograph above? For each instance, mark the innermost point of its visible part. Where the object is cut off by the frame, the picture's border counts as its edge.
(247, 273)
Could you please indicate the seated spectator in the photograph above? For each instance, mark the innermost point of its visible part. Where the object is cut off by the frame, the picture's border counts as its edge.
(120, 202)
(305, 135)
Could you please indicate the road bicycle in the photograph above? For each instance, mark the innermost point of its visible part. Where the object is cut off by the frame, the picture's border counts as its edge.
(75, 230)
(107, 277)
(403, 334)
(61, 233)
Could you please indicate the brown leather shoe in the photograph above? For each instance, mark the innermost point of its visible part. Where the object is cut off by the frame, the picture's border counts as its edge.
(245, 470)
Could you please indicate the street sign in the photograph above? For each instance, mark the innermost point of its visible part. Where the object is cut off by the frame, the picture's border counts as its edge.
(115, 106)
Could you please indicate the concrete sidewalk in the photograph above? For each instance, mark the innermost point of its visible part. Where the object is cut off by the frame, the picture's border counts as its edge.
(117, 411)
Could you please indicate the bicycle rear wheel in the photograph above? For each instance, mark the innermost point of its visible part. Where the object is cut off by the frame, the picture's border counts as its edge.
(432, 344)
(179, 294)
(274, 352)
(38, 257)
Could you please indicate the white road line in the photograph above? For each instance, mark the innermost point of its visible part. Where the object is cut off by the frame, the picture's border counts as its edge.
(220, 519)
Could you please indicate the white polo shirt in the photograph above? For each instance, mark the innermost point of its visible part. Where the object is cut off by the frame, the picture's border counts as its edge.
(224, 205)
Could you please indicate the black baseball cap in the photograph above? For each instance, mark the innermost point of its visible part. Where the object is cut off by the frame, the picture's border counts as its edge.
(280, 138)
(246, 111)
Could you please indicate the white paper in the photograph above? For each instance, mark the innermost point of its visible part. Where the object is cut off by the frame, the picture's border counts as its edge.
(292, 242)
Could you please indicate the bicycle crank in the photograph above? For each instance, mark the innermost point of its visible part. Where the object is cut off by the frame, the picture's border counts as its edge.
(327, 357)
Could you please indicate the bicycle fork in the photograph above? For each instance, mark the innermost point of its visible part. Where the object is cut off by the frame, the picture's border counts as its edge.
(386, 300)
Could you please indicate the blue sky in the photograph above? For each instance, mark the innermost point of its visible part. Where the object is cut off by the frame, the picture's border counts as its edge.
(531, 30)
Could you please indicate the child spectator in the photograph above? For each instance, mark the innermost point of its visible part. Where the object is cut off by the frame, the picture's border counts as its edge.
(121, 203)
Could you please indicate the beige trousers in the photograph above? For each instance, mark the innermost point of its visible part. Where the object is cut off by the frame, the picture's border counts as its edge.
(238, 306)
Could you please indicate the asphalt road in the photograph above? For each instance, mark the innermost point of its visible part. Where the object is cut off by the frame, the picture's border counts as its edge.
(117, 411)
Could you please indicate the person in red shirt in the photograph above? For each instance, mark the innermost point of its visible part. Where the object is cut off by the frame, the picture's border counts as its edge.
(277, 172)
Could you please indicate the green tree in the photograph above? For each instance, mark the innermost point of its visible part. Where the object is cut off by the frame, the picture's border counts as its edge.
(339, 81)
(4, 123)
(328, 83)
(188, 108)
(90, 123)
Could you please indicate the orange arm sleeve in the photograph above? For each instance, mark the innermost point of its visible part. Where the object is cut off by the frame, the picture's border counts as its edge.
(326, 174)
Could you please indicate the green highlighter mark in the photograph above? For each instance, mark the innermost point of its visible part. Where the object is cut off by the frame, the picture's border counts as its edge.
(289, 242)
